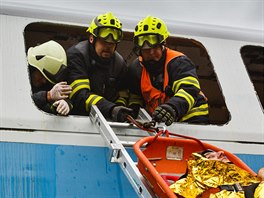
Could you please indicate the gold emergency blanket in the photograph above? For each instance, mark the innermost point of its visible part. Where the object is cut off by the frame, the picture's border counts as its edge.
(204, 174)
(259, 192)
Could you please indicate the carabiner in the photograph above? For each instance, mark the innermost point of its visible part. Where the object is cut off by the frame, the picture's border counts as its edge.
(150, 124)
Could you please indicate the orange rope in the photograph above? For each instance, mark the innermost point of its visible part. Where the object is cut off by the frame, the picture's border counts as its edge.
(150, 127)
(147, 126)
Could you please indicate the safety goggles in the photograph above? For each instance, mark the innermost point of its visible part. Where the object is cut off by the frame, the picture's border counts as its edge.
(147, 40)
(108, 34)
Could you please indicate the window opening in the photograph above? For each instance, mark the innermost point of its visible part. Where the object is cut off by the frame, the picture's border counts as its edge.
(253, 58)
(68, 35)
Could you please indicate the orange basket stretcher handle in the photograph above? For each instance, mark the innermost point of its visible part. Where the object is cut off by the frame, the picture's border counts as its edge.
(151, 169)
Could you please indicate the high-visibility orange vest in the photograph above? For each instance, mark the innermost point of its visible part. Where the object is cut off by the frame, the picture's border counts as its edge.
(152, 96)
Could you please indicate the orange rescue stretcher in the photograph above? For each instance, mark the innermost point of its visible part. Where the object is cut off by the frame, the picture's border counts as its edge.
(162, 160)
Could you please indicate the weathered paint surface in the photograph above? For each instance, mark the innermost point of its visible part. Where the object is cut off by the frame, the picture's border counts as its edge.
(41, 170)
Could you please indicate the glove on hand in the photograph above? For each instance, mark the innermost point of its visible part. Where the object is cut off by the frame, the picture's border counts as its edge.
(62, 107)
(119, 113)
(135, 108)
(164, 113)
(60, 91)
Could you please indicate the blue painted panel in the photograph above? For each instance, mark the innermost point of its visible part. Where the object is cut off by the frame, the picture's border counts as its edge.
(255, 162)
(38, 170)
(83, 171)
(27, 170)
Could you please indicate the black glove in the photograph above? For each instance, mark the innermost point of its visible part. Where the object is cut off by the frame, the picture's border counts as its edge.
(119, 113)
(135, 108)
(164, 113)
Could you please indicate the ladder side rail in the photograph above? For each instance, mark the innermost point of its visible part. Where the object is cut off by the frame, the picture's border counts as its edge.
(120, 155)
(143, 115)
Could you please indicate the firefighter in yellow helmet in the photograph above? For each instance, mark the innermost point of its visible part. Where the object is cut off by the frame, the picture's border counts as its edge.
(97, 72)
(164, 80)
(48, 70)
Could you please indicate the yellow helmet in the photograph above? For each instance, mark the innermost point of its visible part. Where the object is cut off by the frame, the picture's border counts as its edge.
(150, 30)
(107, 27)
(50, 59)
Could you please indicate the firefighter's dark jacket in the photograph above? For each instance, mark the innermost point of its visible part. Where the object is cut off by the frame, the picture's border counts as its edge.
(183, 89)
(94, 81)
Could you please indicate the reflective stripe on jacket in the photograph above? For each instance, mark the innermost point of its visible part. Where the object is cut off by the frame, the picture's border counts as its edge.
(95, 81)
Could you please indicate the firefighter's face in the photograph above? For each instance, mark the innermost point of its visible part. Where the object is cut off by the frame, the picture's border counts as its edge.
(152, 54)
(38, 79)
(104, 49)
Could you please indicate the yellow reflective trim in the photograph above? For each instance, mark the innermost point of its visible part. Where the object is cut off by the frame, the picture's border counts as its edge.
(80, 81)
(135, 102)
(121, 100)
(135, 99)
(197, 111)
(79, 84)
(92, 100)
(187, 80)
(78, 88)
(187, 97)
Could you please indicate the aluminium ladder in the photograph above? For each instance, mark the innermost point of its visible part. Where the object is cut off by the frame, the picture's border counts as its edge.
(118, 153)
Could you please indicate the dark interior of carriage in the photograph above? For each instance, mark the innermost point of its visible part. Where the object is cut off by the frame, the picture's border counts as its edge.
(68, 35)
(253, 57)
